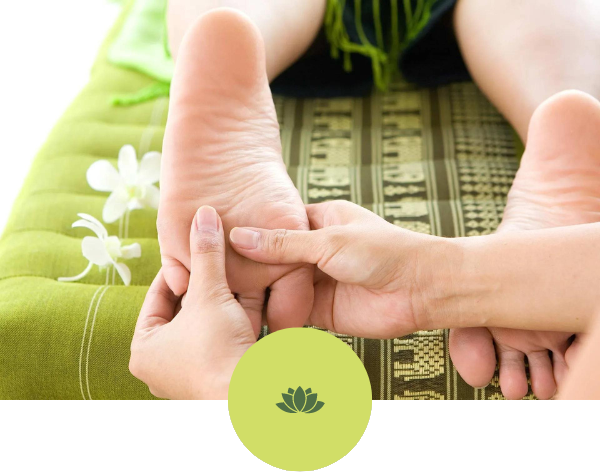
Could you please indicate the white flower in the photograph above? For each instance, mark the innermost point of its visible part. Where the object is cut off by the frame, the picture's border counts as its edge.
(131, 187)
(103, 250)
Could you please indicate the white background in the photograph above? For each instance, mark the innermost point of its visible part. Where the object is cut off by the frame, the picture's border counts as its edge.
(47, 48)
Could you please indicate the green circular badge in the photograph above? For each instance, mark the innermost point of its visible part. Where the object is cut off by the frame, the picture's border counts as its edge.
(300, 399)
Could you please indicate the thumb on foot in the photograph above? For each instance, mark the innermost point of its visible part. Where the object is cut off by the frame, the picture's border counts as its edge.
(208, 280)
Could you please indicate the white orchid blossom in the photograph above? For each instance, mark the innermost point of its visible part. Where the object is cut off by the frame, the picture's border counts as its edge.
(103, 250)
(131, 187)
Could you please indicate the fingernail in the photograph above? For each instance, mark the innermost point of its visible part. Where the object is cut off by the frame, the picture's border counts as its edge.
(244, 238)
(207, 219)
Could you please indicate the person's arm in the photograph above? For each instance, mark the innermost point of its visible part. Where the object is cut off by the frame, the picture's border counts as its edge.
(543, 280)
(537, 280)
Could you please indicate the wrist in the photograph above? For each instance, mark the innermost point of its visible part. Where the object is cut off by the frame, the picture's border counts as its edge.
(450, 285)
(212, 389)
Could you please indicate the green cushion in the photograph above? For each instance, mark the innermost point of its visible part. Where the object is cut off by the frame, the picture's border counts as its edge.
(436, 160)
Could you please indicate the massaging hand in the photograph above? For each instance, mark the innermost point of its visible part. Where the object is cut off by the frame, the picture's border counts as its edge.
(369, 280)
(190, 353)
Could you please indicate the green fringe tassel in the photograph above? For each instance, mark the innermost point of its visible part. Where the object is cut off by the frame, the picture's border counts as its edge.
(153, 91)
(384, 60)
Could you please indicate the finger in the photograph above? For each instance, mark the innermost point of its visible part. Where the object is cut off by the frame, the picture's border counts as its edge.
(278, 246)
(207, 249)
(253, 303)
(159, 305)
(175, 274)
(339, 212)
(542, 376)
(291, 299)
(513, 380)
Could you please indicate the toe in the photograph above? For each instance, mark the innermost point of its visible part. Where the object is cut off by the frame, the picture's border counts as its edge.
(176, 275)
(222, 51)
(513, 380)
(252, 303)
(560, 119)
(291, 299)
(560, 369)
(472, 352)
(542, 377)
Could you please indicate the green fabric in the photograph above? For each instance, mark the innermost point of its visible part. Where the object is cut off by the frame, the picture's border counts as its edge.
(52, 340)
(141, 45)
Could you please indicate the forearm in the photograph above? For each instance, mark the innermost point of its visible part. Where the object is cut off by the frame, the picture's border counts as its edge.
(288, 28)
(538, 280)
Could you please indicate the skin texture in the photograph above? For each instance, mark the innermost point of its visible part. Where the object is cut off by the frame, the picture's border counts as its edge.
(356, 292)
(583, 381)
(222, 148)
(504, 280)
(521, 53)
(190, 352)
(558, 184)
(524, 53)
(287, 29)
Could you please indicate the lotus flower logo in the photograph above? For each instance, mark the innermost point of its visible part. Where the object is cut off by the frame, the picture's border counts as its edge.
(300, 401)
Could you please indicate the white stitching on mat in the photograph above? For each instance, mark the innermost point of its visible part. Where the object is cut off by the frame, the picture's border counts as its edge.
(83, 340)
(147, 135)
(87, 356)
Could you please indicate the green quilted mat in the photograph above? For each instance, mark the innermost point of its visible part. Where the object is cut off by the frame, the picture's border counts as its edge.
(436, 161)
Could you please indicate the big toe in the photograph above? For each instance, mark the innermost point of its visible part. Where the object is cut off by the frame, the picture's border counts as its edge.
(220, 105)
(221, 58)
(472, 352)
(563, 121)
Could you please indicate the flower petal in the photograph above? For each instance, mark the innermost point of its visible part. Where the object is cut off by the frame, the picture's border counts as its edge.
(78, 276)
(149, 169)
(311, 400)
(102, 176)
(94, 250)
(82, 223)
(284, 408)
(317, 407)
(287, 399)
(299, 398)
(113, 247)
(115, 205)
(128, 166)
(132, 251)
(135, 203)
(97, 227)
(151, 197)
(124, 272)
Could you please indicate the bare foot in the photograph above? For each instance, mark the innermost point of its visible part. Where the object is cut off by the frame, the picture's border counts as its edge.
(222, 148)
(558, 184)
